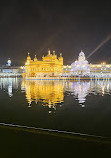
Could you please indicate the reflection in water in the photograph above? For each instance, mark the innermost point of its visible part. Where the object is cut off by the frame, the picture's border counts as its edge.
(10, 89)
(51, 93)
(8, 85)
(83, 88)
(79, 90)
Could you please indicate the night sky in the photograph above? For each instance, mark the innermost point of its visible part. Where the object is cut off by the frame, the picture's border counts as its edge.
(64, 26)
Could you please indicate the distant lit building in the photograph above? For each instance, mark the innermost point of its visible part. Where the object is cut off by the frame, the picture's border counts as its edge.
(8, 62)
(11, 71)
(100, 70)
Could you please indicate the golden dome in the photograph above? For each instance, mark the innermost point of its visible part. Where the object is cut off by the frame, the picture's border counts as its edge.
(28, 57)
(35, 59)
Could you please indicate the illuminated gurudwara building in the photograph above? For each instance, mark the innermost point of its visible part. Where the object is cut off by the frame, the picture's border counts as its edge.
(80, 66)
(49, 66)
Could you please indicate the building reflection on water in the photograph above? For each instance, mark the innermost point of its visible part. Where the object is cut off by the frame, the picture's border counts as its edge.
(79, 90)
(9, 85)
(51, 93)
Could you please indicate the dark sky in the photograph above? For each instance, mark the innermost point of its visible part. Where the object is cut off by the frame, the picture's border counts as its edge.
(65, 26)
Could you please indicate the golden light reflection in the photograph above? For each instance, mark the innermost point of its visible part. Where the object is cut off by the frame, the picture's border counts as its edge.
(49, 93)
(103, 89)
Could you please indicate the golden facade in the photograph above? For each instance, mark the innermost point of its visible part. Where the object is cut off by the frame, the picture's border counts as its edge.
(48, 67)
(49, 93)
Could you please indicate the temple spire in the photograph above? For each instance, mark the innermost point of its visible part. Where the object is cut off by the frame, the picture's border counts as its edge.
(35, 59)
(28, 57)
(48, 51)
(53, 52)
(60, 54)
